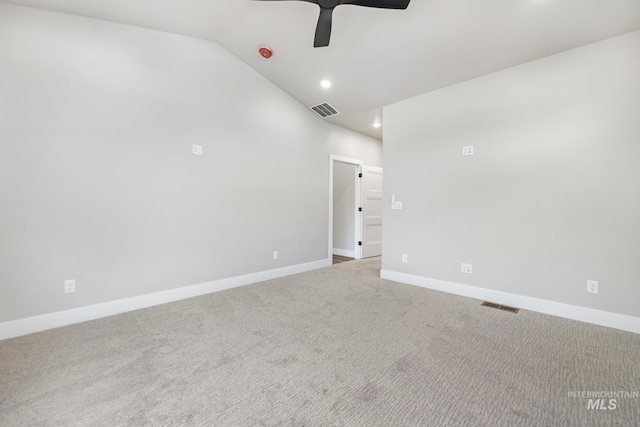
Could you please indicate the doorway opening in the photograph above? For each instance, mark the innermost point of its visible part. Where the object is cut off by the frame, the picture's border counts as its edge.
(344, 201)
(355, 209)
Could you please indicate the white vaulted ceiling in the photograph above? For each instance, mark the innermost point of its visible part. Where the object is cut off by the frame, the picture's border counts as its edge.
(376, 56)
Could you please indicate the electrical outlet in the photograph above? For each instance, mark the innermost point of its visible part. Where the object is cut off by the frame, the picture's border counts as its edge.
(404, 259)
(197, 150)
(467, 150)
(467, 268)
(69, 286)
(592, 286)
(275, 254)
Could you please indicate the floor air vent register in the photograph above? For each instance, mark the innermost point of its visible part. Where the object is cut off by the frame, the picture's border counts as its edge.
(501, 307)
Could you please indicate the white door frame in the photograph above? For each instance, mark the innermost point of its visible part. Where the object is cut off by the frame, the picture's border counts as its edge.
(358, 224)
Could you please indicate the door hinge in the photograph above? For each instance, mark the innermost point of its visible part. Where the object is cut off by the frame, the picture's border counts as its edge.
(360, 175)
(359, 209)
(359, 243)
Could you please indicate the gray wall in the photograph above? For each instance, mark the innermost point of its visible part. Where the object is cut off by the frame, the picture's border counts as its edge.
(550, 199)
(97, 179)
(344, 213)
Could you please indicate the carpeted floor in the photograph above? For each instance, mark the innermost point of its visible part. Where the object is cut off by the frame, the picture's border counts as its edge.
(331, 347)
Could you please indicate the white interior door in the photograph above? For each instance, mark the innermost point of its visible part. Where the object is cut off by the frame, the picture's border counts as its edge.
(371, 191)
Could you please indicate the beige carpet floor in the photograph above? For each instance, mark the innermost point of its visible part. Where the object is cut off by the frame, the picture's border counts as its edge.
(331, 347)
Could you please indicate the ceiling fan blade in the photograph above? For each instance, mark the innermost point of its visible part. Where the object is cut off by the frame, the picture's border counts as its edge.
(382, 4)
(309, 1)
(323, 30)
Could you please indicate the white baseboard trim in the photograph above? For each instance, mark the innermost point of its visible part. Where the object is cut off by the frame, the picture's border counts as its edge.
(583, 314)
(44, 322)
(344, 252)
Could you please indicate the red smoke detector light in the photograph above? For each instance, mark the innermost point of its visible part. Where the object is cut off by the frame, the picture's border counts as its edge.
(265, 52)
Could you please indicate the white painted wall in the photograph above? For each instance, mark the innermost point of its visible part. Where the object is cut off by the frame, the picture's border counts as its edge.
(550, 199)
(344, 208)
(97, 182)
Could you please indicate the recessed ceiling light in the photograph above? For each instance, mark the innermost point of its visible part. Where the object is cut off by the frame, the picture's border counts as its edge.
(377, 124)
(325, 84)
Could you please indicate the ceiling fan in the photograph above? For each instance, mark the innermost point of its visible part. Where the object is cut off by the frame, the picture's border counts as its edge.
(323, 30)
